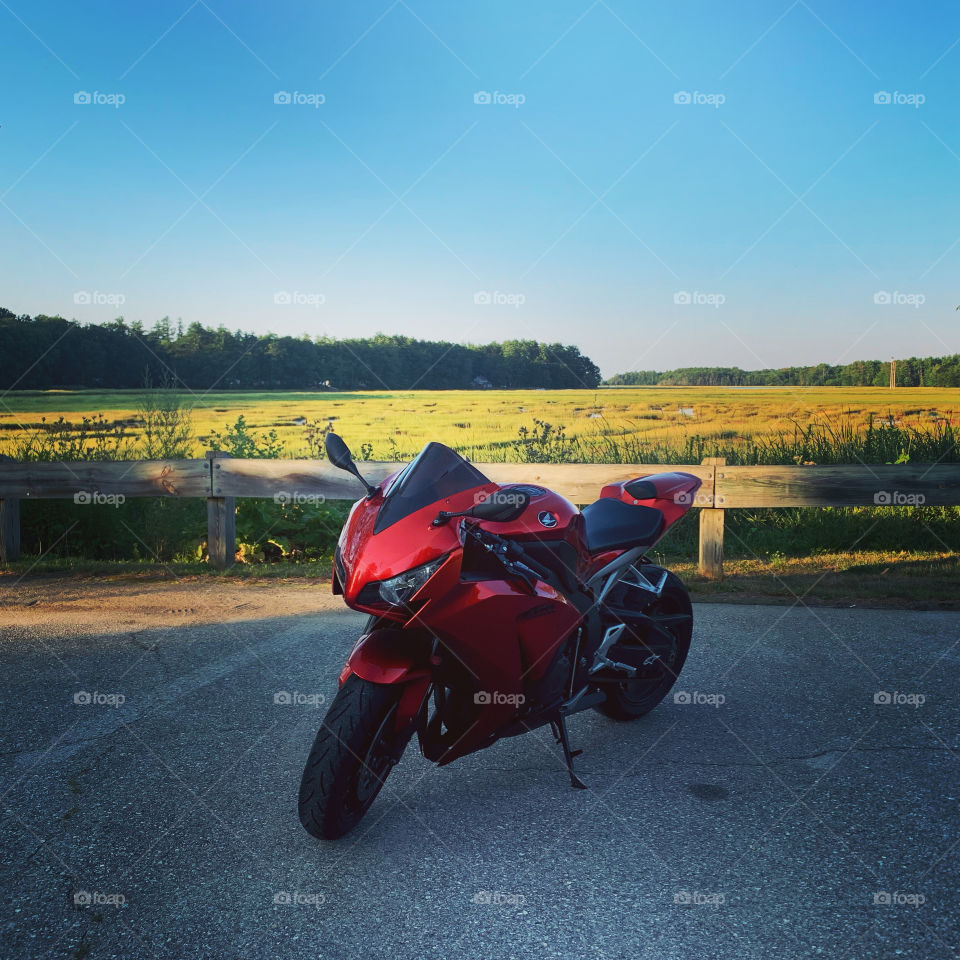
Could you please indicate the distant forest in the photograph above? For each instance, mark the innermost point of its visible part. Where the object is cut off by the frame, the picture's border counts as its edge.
(40, 353)
(912, 372)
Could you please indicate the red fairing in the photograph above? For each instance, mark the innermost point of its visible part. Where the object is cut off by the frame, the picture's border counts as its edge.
(511, 645)
(368, 557)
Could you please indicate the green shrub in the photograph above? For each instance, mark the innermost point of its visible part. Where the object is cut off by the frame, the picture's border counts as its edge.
(241, 441)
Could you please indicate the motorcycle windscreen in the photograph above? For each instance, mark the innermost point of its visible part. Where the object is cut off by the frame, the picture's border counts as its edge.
(436, 472)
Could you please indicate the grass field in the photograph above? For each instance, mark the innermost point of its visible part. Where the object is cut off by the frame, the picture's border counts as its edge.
(484, 423)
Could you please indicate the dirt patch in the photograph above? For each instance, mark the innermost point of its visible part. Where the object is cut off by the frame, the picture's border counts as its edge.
(120, 607)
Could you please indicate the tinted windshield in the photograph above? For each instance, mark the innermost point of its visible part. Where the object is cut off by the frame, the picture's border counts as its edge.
(437, 472)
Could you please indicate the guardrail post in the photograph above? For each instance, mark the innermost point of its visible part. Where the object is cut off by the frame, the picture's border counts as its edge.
(221, 523)
(9, 525)
(711, 529)
(9, 530)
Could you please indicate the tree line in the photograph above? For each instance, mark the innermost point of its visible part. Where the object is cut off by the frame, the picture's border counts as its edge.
(44, 352)
(912, 372)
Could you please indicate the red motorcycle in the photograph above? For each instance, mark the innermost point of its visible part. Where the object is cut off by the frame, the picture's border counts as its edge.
(493, 610)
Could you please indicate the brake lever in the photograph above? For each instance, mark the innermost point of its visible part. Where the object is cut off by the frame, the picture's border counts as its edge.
(505, 552)
(526, 575)
(517, 555)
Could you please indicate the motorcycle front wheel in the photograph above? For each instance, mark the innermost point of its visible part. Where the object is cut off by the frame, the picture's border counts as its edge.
(351, 757)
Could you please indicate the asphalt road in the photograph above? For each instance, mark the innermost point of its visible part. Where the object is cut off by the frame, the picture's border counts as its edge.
(781, 812)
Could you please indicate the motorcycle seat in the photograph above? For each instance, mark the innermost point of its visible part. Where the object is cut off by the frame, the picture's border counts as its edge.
(614, 525)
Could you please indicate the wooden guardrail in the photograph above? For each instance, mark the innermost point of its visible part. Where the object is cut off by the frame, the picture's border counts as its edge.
(220, 479)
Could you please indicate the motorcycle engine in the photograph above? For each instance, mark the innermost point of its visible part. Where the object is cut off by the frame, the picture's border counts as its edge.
(554, 684)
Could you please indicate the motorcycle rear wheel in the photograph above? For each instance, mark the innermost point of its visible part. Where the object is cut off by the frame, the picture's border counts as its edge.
(351, 757)
(636, 698)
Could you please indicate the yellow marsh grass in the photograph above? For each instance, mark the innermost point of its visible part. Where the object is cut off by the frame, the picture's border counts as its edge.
(472, 420)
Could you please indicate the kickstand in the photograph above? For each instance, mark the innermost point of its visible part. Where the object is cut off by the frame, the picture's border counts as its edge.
(559, 728)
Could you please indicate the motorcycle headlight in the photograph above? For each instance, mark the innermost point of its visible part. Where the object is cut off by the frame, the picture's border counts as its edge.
(398, 590)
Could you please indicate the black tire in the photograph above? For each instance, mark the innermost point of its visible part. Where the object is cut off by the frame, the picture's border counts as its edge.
(636, 698)
(351, 758)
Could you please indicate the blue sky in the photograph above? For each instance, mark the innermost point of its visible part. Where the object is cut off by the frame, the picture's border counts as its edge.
(758, 224)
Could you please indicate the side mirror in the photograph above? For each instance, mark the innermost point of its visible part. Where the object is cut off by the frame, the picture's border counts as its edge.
(339, 455)
(501, 506)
